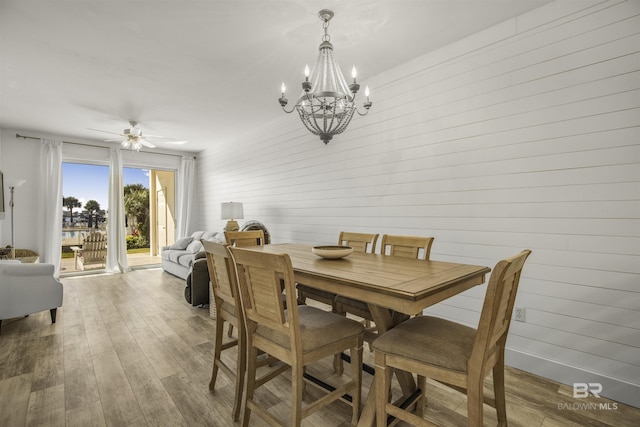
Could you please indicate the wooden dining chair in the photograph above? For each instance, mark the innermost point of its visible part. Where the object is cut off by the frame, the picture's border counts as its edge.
(245, 238)
(242, 239)
(360, 242)
(226, 298)
(399, 246)
(406, 246)
(296, 336)
(451, 353)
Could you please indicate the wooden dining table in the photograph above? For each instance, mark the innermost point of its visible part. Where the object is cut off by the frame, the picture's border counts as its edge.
(389, 285)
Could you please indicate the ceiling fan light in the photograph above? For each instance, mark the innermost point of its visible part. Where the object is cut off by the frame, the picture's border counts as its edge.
(134, 139)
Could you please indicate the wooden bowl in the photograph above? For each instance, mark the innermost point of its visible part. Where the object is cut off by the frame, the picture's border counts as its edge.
(332, 252)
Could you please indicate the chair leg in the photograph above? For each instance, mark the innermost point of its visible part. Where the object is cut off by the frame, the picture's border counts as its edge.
(356, 377)
(241, 368)
(301, 299)
(498, 391)
(297, 386)
(338, 364)
(216, 352)
(422, 400)
(475, 400)
(252, 360)
(53, 312)
(382, 380)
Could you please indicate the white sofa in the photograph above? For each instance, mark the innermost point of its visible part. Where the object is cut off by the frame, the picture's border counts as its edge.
(28, 288)
(178, 258)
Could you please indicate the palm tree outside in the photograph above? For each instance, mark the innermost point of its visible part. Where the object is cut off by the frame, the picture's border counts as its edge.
(93, 208)
(136, 208)
(70, 203)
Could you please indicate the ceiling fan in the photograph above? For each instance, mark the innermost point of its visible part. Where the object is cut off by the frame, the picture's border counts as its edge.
(134, 138)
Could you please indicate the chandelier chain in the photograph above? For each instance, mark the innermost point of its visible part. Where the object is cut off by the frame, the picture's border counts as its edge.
(326, 37)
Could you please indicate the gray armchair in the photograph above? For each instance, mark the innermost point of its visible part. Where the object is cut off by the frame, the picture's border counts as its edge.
(28, 288)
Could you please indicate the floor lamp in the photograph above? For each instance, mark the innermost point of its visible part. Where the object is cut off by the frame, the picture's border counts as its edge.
(12, 187)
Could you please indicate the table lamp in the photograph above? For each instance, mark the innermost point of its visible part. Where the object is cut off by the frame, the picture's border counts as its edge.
(231, 211)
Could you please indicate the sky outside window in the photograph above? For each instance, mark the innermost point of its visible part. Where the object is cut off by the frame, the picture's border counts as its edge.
(86, 182)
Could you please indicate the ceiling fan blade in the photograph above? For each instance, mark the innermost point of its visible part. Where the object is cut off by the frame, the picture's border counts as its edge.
(146, 143)
(113, 140)
(106, 131)
(154, 136)
(175, 142)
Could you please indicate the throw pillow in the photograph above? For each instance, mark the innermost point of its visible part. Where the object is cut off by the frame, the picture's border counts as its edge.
(194, 246)
(182, 244)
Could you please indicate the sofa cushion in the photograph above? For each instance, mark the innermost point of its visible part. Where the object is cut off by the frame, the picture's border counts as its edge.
(165, 253)
(197, 235)
(194, 247)
(182, 243)
(174, 255)
(209, 235)
(179, 261)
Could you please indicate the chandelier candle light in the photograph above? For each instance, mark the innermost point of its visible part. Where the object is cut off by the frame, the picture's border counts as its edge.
(327, 103)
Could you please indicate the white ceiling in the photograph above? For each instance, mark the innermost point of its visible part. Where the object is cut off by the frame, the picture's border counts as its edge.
(203, 71)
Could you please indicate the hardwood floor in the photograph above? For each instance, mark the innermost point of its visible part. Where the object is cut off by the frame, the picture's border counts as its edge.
(127, 350)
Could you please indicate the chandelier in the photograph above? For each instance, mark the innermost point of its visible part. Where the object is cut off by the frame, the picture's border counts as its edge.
(327, 103)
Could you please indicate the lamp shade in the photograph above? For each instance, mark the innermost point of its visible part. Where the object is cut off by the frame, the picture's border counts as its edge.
(231, 210)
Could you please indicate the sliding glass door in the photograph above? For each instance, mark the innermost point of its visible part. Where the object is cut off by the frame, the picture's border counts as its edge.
(85, 215)
(149, 198)
(149, 203)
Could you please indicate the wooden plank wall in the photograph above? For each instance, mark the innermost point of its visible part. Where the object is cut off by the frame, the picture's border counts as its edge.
(525, 135)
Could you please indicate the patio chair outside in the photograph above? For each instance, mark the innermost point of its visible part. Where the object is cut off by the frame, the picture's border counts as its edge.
(93, 251)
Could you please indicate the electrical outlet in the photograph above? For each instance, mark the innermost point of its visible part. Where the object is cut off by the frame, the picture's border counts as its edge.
(518, 314)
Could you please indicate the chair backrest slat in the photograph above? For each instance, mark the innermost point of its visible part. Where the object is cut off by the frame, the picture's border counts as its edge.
(221, 272)
(94, 247)
(498, 306)
(406, 246)
(260, 278)
(241, 239)
(360, 242)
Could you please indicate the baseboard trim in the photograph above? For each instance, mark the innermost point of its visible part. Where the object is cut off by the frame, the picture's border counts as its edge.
(612, 388)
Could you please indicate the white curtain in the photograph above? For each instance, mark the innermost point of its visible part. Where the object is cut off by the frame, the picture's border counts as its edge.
(50, 203)
(186, 197)
(116, 242)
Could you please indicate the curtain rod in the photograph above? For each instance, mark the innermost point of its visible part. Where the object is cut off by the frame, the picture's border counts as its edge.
(96, 146)
(33, 137)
